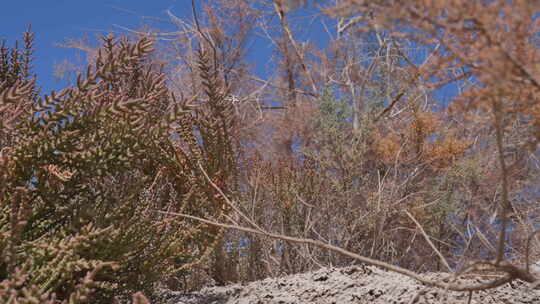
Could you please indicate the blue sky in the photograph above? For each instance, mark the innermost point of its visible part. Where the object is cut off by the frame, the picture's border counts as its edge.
(54, 20)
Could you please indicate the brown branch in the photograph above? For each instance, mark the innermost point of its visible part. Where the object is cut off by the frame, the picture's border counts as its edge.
(284, 24)
(389, 107)
(429, 241)
(506, 208)
(383, 265)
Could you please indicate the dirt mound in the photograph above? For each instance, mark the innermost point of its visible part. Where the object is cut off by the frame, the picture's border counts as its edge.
(355, 284)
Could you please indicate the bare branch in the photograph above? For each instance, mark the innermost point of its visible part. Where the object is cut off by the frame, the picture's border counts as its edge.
(383, 265)
(428, 239)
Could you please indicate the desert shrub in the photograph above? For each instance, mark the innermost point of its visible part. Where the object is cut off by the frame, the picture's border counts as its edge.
(90, 175)
(464, 168)
(350, 188)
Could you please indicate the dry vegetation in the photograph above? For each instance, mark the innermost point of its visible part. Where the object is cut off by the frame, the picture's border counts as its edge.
(343, 154)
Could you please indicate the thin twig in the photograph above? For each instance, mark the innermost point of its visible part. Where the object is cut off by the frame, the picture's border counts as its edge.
(506, 208)
(198, 26)
(284, 24)
(228, 201)
(429, 241)
(528, 250)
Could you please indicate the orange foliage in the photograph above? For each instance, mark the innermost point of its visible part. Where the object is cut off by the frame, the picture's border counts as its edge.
(424, 124)
(444, 152)
(387, 148)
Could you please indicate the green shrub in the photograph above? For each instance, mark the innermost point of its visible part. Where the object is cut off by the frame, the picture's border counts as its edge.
(89, 176)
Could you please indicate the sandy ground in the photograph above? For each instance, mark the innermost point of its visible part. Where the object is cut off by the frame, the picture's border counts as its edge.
(355, 284)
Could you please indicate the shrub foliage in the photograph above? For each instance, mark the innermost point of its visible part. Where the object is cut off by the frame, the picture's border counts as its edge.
(87, 175)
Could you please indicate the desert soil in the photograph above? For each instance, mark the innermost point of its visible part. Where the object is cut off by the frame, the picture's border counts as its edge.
(355, 284)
